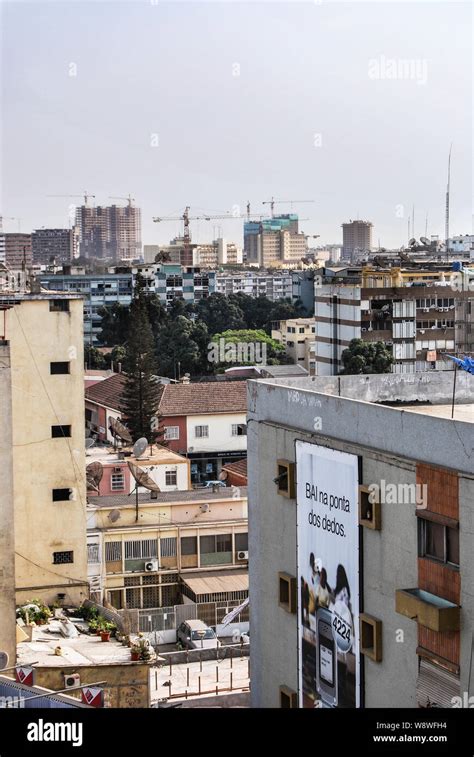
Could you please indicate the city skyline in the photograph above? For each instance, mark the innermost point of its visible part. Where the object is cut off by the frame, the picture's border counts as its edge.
(217, 104)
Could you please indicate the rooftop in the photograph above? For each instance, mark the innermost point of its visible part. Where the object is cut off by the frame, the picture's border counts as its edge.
(110, 456)
(83, 650)
(204, 398)
(107, 392)
(206, 494)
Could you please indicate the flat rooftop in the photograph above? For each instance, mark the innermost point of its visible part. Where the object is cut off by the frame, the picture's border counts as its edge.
(195, 495)
(83, 650)
(462, 412)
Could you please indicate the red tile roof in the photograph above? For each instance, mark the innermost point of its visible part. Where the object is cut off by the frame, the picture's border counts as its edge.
(238, 468)
(202, 398)
(107, 392)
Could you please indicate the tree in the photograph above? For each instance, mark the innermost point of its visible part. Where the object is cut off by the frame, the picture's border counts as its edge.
(114, 324)
(219, 313)
(93, 358)
(366, 357)
(246, 346)
(180, 347)
(141, 390)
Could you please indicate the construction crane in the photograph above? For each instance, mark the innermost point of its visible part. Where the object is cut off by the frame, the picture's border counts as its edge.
(85, 195)
(186, 218)
(129, 199)
(273, 201)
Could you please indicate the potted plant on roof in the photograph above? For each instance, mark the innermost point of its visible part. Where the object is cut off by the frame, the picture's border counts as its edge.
(135, 651)
(105, 631)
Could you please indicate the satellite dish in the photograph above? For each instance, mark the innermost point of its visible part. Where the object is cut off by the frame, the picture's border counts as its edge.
(140, 446)
(142, 478)
(114, 516)
(412, 241)
(425, 240)
(223, 475)
(94, 473)
(119, 431)
(89, 442)
(3, 660)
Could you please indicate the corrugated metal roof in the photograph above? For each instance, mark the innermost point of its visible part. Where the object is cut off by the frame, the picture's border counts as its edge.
(217, 583)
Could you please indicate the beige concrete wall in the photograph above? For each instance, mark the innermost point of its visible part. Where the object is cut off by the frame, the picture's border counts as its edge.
(127, 685)
(7, 542)
(41, 463)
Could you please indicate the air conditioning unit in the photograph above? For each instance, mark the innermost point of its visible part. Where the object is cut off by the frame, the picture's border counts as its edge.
(71, 680)
(242, 555)
(151, 566)
(426, 310)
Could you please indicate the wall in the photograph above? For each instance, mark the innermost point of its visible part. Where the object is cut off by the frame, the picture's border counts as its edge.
(127, 684)
(7, 541)
(389, 442)
(41, 463)
(176, 445)
(220, 437)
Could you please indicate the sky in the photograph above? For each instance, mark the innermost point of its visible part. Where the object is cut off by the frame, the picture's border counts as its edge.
(352, 105)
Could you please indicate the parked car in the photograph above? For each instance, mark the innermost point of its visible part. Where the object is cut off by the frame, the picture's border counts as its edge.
(194, 634)
(208, 484)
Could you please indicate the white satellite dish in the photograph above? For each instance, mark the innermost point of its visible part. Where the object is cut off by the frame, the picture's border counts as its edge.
(89, 442)
(140, 446)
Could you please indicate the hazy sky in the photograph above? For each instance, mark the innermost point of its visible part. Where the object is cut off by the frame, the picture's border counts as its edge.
(211, 104)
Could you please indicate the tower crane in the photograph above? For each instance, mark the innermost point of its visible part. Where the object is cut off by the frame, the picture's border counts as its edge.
(129, 199)
(186, 218)
(272, 203)
(85, 195)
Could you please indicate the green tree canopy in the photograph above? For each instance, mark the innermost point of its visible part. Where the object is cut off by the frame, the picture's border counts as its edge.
(366, 357)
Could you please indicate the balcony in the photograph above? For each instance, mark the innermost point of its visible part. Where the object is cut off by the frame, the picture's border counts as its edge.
(427, 609)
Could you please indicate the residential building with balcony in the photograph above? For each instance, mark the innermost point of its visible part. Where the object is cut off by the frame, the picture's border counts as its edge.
(297, 335)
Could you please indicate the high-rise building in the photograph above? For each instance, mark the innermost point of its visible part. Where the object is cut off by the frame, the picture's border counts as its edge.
(111, 232)
(59, 245)
(18, 251)
(356, 236)
(42, 346)
(274, 241)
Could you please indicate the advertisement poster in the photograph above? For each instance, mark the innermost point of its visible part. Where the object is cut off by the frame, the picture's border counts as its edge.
(328, 576)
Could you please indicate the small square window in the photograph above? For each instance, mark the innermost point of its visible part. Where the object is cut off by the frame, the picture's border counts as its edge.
(57, 368)
(61, 495)
(370, 511)
(61, 558)
(286, 478)
(288, 698)
(60, 431)
(287, 592)
(371, 637)
(59, 306)
(171, 478)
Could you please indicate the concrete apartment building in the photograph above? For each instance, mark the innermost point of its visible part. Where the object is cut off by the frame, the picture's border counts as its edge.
(42, 338)
(356, 236)
(189, 546)
(18, 251)
(298, 334)
(337, 321)
(217, 253)
(58, 245)
(274, 241)
(190, 284)
(361, 528)
(7, 511)
(275, 286)
(109, 232)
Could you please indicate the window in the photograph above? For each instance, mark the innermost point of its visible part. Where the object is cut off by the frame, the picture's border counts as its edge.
(239, 429)
(60, 431)
(216, 543)
(113, 551)
(61, 495)
(189, 545)
(438, 542)
(61, 558)
(201, 432)
(171, 432)
(171, 478)
(92, 553)
(241, 542)
(57, 368)
(117, 482)
(287, 592)
(59, 306)
(141, 549)
(168, 546)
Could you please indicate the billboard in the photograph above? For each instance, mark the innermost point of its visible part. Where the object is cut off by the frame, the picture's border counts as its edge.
(328, 576)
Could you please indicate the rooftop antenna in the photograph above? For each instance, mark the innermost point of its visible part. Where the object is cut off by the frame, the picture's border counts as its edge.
(119, 431)
(426, 224)
(94, 473)
(448, 186)
(141, 479)
(413, 222)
